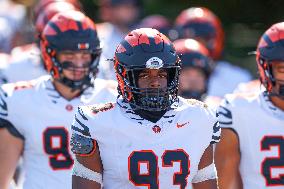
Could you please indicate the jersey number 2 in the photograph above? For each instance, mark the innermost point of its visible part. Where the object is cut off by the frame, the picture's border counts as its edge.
(273, 162)
(151, 178)
(59, 156)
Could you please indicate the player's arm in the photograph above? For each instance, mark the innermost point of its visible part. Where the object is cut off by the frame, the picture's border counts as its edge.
(227, 153)
(87, 172)
(206, 175)
(227, 160)
(87, 169)
(10, 151)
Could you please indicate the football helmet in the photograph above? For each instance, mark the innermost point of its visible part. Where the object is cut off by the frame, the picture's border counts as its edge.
(271, 48)
(40, 6)
(49, 11)
(141, 49)
(203, 25)
(70, 31)
(193, 54)
(156, 21)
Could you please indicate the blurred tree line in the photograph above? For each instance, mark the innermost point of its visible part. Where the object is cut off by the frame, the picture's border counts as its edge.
(243, 21)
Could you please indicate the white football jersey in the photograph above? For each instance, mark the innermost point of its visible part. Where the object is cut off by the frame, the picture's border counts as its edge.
(225, 78)
(260, 129)
(137, 153)
(25, 64)
(110, 37)
(42, 118)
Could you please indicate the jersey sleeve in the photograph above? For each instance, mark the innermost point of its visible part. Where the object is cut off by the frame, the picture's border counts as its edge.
(225, 115)
(208, 118)
(82, 143)
(6, 120)
(216, 130)
(87, 128)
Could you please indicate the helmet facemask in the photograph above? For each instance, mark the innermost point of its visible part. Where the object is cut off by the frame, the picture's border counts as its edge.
(90, 69)
(274, 87)
(144, 50)
(277, 84)
(150, 99)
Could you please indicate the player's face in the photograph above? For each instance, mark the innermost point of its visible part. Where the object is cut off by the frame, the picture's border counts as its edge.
(192, 79)
(75, 64)
(153, 79)
(278, 73)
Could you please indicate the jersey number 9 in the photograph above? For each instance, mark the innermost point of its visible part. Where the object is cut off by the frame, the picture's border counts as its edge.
(59, 156)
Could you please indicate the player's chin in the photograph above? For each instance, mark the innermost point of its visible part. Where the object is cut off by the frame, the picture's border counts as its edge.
(76, 77)
(153, 91)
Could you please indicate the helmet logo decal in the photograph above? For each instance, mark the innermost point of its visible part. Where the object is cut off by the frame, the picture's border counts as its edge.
(82, 46)
(154, 63)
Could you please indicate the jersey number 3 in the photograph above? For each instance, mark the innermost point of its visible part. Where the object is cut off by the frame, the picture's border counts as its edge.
(273, 162)
(59, 156)
(151, 177)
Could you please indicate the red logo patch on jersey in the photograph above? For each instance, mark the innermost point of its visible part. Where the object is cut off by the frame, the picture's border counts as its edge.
(182, 125)
(156, 129)
(69, 107)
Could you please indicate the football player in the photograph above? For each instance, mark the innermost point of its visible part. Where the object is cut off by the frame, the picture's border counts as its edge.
(196, 68)
(156, 21)
(35, 115)
(119, 17)
(251, 151)
(149, 138)
(203, 25)
(25, 62)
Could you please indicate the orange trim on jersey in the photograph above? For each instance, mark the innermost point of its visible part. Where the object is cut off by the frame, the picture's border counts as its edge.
(91, 153)
(61, 145)
(171, 165)
(129, 175)
(278, 157)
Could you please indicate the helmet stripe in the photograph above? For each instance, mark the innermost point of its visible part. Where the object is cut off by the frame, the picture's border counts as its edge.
(54, 27)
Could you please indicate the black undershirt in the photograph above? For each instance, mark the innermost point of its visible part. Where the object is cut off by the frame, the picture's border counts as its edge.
(152, 116)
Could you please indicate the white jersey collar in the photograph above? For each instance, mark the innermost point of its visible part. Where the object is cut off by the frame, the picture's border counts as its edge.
(55, 96)
(269, 106)
(166, 119)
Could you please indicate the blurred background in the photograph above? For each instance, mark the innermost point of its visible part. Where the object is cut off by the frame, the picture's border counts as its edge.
(243, 21)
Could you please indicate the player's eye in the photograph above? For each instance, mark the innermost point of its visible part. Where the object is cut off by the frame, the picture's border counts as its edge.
(86, 56)
(162, 75)
(68, 56)
(143, 76)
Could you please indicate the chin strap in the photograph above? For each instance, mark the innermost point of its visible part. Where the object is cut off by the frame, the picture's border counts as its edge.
(279, 93)
(81, 85)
